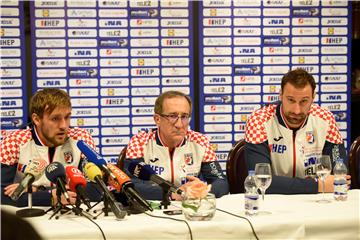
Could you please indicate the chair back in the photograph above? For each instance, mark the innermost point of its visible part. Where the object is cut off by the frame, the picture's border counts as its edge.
(354, 161)
(236, 169)
(120, 162)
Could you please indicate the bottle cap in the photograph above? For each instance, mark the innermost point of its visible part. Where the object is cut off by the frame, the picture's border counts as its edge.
(251, 172)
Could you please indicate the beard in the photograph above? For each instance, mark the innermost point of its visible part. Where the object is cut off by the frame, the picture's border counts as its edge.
(295, 119)
(57, 139)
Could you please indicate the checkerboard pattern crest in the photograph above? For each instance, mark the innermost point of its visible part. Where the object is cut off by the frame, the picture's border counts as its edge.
(10, 145)
(255, 130)
(135, 148)
(203, 141)
(333, 133)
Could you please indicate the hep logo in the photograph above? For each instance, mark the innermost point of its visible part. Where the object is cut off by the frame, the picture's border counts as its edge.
(277, 148)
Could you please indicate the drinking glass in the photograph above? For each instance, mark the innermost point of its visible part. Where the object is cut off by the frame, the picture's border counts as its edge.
(323, 169)
(263, 177)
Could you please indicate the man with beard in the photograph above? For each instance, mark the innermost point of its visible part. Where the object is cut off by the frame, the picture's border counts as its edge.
(291, 134)
(175, 152)
(47, 139)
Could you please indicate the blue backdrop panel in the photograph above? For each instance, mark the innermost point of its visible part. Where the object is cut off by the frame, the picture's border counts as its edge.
(13, 112)
(114, 58)
(247, 46)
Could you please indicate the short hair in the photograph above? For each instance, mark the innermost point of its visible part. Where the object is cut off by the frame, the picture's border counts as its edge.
(47, 99)
(299, 78)
(170, 94)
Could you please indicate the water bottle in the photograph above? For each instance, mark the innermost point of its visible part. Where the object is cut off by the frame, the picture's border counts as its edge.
(251, 194)
(340, 186)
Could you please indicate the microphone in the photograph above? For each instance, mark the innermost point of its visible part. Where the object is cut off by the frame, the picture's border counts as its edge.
(95, 175)
(77, 183)
(145, 172)
(94, 157)
(125, 185)
(33, 172)
(55, 172)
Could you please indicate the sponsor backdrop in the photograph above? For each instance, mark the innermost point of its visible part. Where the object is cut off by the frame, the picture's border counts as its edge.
(247, 45)
(115, 57)
(13, 106)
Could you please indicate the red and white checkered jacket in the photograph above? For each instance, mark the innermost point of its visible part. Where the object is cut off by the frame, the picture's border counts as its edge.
(21, 146)
(292, 155)
(186, 159)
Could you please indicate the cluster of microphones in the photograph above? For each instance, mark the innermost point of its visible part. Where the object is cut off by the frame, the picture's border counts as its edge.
(99, 171)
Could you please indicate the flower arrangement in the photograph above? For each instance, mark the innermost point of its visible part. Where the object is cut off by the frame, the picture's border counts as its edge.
(197, 189)
(198, 203)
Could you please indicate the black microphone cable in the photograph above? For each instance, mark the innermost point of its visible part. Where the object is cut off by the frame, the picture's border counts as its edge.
(252, 227)
(84, 215)
(179, 220)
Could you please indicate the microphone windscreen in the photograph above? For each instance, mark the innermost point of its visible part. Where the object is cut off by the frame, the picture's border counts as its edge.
(121, 177)
(91, 170)
(36, 167)
(55, 170)
(75, 177)
(90, 153)
(141, 170)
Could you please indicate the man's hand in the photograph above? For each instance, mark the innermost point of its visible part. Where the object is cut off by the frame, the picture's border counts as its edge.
(72, 196)
(329, 183)
(191, 181)
(10, 189)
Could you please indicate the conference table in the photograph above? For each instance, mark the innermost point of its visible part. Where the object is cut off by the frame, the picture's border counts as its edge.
(280, 217)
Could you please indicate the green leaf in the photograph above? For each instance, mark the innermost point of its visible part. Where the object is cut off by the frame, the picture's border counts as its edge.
(191, 206)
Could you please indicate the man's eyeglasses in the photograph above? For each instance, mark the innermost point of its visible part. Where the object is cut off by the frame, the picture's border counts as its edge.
(173, 118)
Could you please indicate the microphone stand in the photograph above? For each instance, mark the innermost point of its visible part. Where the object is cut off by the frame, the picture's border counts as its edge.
(165, 198)
(30, 212)
(133, 206)
(110, 205)
(106, 209)
(59, 206)
(78, 210)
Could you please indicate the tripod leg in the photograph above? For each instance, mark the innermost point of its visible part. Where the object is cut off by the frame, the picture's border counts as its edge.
(56, 210)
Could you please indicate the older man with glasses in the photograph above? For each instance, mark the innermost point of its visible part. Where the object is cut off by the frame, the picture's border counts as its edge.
(175, 152)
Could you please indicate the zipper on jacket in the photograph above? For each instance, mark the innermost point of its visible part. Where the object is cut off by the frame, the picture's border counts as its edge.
(294, 154)
(171, 153)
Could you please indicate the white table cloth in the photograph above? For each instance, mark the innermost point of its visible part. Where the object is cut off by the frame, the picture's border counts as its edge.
(292, 217)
